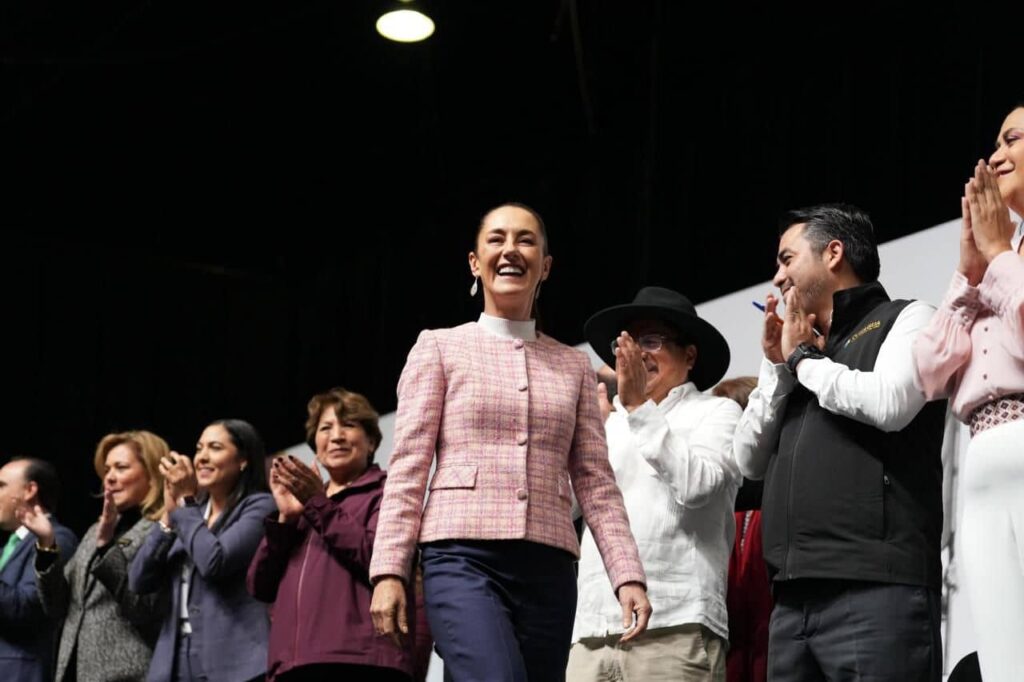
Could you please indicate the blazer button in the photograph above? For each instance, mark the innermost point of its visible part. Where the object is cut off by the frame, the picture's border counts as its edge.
(523, 440)
(522, 387)
(522, 494)
(517, 344)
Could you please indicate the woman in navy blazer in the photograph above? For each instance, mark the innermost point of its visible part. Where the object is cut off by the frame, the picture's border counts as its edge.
(212, 524)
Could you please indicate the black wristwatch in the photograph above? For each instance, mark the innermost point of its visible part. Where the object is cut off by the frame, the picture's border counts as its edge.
(801, 352)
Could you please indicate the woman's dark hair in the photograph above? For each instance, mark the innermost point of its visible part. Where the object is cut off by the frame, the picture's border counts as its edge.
(251, 450)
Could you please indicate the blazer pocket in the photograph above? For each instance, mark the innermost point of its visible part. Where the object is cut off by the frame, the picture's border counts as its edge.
(565, 487)
(454, 476)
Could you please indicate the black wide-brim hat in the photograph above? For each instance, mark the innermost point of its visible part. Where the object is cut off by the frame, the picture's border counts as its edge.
(671, 307)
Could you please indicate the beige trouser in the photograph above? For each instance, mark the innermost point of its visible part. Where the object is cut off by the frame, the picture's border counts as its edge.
(681, 653)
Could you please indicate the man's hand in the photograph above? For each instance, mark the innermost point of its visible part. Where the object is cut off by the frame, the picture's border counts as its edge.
(630, 373)
(36, 520)
(797, 326)
(771, 339)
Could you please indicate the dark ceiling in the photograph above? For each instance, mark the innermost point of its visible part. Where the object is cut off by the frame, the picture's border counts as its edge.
(219, 208)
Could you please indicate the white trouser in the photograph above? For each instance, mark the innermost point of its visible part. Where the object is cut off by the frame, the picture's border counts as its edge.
(992, 548)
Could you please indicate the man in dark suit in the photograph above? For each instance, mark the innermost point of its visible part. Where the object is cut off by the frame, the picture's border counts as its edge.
(26, 635)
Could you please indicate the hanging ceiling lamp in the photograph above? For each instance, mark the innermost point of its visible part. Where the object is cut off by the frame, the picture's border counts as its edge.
(405, 24)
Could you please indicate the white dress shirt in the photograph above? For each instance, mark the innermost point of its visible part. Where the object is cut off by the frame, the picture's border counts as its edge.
(185, 627)
(674, 465)
(885, 398)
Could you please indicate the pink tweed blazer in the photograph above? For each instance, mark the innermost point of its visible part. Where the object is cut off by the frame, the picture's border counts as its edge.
(512, 422)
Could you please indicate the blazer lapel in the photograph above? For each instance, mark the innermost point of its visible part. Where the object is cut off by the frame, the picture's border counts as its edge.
(19, 557)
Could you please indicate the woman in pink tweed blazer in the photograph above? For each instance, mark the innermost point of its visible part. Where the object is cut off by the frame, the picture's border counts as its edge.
(513, 417)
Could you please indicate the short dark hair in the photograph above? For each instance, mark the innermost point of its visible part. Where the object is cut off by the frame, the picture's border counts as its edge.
(845, 223)
(44, 475)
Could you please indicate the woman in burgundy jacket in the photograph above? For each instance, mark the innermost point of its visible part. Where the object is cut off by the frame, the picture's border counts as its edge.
(313, 563)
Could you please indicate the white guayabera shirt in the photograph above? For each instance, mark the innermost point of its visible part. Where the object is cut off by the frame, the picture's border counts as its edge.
(673, 462)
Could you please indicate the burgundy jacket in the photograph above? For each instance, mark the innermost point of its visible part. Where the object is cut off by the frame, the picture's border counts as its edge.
(315, 573)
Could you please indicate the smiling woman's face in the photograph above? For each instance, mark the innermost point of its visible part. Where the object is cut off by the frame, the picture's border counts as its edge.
(1008, 160)
(342, 446)
(511, 256)
(217, 461)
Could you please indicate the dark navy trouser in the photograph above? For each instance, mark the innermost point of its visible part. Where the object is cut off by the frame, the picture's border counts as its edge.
(500, 610)
(850, 631)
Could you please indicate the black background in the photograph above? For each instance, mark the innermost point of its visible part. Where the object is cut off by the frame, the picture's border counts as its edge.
(219, 208)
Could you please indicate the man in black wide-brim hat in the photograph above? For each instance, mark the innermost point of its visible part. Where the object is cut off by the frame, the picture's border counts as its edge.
(671, 448)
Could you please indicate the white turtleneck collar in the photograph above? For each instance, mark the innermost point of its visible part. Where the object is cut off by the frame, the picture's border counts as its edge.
(509, 329)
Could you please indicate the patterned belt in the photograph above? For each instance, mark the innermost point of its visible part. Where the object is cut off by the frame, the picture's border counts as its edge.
(1000, 411)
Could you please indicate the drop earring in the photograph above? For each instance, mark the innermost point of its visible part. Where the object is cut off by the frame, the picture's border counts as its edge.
(473, 289)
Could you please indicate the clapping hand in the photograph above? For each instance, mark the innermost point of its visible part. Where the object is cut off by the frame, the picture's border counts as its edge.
(35, 519)
(990, 221)
(108, 520)
(302, 481)
(289, 507)
(797, 325)
(630, 373)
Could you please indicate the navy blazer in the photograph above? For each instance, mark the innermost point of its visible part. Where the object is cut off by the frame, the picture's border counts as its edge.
(26, 634)
(231, 625)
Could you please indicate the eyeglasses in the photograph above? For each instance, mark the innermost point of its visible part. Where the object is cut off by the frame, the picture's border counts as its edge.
(649, 343)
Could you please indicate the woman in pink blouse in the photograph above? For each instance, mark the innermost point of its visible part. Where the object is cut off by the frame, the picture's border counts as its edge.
(973, 353)
(513, 417)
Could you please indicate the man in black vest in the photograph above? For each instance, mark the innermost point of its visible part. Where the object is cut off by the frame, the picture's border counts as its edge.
(850, 456)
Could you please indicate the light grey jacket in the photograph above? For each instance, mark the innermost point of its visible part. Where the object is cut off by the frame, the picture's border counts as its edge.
(114, 628)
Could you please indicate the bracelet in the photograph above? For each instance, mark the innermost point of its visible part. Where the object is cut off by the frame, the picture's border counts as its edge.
(49, 550)
(164, 528)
